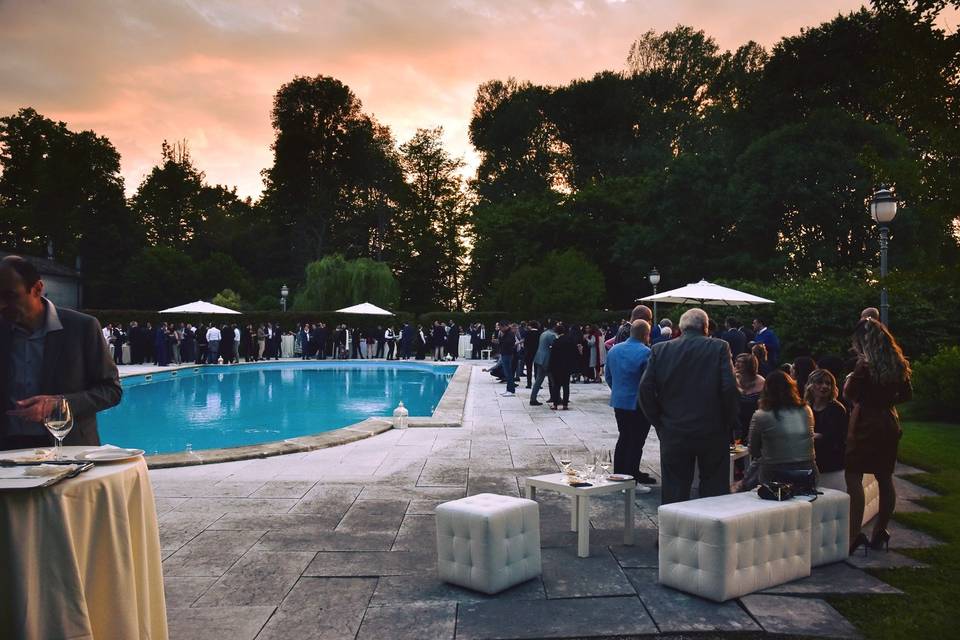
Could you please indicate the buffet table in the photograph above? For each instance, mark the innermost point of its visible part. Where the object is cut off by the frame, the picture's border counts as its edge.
(81, 558)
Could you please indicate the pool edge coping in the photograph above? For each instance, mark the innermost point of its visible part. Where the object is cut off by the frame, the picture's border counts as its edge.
(449, 413)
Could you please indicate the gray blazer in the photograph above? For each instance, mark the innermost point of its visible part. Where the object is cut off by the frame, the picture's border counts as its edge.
(688, 388)
(547, 338)
(76, 364)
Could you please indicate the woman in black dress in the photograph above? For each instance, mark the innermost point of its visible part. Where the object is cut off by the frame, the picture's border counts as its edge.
(880, 380)
(830, 420)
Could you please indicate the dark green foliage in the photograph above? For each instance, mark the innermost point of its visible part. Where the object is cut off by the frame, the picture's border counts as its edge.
(936, 381)
(562, 280)
(334, 283)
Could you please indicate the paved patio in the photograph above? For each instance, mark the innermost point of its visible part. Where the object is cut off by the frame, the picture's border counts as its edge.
(340, 542)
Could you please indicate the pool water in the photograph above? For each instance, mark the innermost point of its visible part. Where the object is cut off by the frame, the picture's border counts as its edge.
(230, 406)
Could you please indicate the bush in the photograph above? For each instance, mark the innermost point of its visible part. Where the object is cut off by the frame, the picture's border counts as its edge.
(935, 384)
(228, 298)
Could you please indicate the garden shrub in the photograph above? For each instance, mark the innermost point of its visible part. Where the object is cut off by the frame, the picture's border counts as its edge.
(936, 385)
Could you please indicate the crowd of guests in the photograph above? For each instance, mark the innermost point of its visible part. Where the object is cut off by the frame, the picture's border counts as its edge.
(801, 420)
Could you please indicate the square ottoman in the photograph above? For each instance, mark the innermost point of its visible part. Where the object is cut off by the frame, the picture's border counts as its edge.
(728, 546)
(830, 527)
(871, 491)
(488, 542)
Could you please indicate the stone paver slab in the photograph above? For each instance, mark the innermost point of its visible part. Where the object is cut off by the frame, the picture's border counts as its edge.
(677, 612)
(277, 522)
(373, 516)
(567, 576)
(183, 592)
(236, 623)
(211, 553)
(321, 609)
(798, 616)
(283, 489)
(258, 578)
(502, 619)
(417, 533)
(371, 563)
(885, 560)
(324, 540)
(410, 622)
(393, 590)
(238, 505)
(838, 578)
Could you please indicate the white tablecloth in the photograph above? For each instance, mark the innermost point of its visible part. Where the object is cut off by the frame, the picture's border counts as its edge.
(81, 559)
(465, 347)
(286, 346)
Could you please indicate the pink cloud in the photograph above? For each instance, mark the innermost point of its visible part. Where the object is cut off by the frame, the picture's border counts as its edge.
(207, 71)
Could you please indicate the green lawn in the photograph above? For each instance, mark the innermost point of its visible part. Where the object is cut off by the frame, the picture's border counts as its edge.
(932, 601)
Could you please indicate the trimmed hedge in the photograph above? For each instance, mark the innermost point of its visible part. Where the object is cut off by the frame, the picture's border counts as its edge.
(936, 381)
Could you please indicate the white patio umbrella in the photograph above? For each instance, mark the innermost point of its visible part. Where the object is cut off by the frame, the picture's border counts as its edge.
(704, 292)
(365, 309)
(201, 307)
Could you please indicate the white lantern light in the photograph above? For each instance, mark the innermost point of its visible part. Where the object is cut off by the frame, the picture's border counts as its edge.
(400, 415)
(883, 206)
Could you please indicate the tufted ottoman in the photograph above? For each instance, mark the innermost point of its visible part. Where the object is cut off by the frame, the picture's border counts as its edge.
(830, 527)
(488, 542)
(728, 546)
(871, 491)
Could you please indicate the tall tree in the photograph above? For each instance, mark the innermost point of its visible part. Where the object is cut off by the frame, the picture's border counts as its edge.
(334, 172)
(430, 231)
(168, 199)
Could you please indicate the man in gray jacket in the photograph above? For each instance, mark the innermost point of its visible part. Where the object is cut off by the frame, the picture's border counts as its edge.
(689, 393)
(46, 353)
(541, 363)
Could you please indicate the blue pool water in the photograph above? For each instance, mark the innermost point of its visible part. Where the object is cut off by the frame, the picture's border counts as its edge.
(229, 406)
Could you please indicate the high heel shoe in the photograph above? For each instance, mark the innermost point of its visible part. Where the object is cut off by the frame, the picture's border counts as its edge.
(860, 541)
(880, 540)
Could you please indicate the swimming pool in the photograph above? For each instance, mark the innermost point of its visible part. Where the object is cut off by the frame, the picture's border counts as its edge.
(231, 406)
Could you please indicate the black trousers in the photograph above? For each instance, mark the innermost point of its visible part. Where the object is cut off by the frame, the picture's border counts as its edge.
(679, 453)
(634, 428)
(560, 384)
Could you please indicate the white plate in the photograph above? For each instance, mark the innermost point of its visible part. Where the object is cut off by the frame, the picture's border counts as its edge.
(108, 455)
(619, 477)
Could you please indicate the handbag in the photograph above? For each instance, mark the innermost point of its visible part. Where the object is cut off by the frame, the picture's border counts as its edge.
(778, 491)
(803, 481)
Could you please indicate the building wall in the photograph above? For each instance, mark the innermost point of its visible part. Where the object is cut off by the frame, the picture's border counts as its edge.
(64, 292)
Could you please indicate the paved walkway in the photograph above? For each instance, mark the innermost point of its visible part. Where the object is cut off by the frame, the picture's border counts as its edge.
(340, 542)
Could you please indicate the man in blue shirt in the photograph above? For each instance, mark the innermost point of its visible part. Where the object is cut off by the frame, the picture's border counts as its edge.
(625, 365)
(766, 336)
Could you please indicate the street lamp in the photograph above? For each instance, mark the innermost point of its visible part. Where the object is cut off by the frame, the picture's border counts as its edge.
(654, 280)
(883, 209)
(284, 292)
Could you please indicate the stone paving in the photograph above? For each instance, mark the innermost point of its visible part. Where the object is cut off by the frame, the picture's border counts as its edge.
(340, 542)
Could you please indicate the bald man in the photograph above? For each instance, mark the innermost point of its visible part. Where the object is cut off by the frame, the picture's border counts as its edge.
(46, 353)
(640, 312)
(870, 312)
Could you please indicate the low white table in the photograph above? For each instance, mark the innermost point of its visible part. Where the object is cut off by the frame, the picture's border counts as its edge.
(734, 456)
(580, 514)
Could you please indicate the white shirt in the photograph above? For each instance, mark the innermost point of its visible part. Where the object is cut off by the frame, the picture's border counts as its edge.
(213, 334)
(107, 334)
(236, 334)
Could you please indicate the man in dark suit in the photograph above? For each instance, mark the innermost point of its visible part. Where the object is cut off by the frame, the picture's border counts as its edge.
(734, 337)
(46, 353)
(689, 393)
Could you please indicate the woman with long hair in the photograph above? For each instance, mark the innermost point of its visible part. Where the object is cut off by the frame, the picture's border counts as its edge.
(781, 431)
(880, 380)
(763, 364)
(830, 420)
(750, 385)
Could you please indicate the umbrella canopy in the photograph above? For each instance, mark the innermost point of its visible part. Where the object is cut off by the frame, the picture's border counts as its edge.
(365, 309)
(201, 307)
(704, 292)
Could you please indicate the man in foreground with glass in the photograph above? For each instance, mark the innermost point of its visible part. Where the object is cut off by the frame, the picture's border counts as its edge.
(48, 354)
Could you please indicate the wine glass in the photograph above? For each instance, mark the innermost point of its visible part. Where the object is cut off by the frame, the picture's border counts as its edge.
(591, 466)
(606, 461)
(565, 459)
(59, 422)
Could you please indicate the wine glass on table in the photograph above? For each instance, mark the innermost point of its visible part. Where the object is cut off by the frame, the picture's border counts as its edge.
(592, 466)
(565, 459)
(59, 422)
(606, 461)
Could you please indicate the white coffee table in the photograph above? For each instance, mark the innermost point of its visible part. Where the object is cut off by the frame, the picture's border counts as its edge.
(580, 514)
(736, 455)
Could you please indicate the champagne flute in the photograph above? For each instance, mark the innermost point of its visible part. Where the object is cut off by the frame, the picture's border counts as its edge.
(606, 461)
(565, 459)
(59, 422)
(591, 466)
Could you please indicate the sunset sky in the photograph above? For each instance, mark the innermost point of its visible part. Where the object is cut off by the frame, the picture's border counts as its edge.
(142, 71)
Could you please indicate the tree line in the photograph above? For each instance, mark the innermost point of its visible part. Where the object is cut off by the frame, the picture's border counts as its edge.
(749, 165)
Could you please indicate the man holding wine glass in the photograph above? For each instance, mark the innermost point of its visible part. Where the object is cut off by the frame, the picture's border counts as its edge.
(54, 365)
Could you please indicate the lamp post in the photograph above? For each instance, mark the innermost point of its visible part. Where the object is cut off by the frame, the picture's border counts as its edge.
(883, 209)
(284, 292)
(654, 280)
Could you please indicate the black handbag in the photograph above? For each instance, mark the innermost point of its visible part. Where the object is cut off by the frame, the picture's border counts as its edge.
(778, 491)
(804, 481)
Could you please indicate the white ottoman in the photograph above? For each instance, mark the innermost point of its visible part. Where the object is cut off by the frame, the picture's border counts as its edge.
(488, 542)
(871, 491)
(830, 527)
(728, 546)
